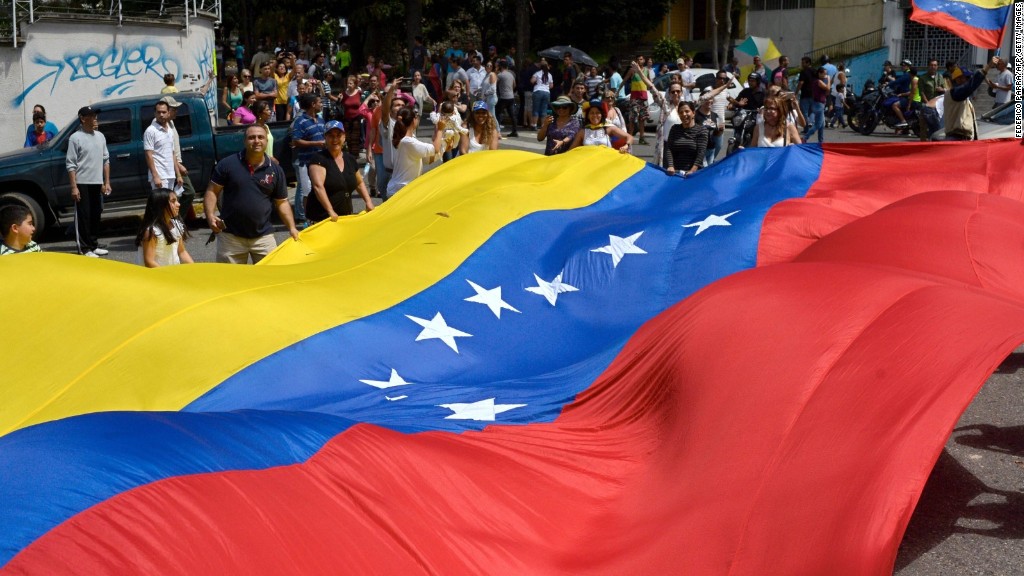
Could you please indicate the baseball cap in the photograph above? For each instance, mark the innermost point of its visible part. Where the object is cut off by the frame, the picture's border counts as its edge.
(334, 125)
(680, 62)
(479, 105)
(958, 72)
(170, 101)
(88, 111)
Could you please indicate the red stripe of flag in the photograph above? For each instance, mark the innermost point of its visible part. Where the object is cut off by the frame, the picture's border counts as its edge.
(782, 420)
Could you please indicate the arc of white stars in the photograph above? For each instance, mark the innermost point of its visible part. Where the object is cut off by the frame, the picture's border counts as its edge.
(484, 410)
(490, 298)
(712, 220)
(618, 247)
(551, 290)
(394, 380)
(439, 329)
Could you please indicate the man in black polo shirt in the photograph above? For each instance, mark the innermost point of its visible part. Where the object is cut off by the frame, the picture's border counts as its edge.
(252, 187)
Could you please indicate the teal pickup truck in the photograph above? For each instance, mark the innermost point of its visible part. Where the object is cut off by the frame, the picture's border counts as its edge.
(37, 178)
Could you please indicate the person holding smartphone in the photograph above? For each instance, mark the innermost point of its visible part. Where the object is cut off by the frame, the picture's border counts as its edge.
(559, 128)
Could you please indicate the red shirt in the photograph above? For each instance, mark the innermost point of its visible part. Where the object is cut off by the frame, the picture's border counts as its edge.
(371, 133)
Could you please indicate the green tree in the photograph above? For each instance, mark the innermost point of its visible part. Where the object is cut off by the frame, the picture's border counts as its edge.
(385, 27)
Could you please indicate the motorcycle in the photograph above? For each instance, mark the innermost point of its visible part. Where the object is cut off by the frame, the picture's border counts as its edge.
(743, 130)
(874, 107)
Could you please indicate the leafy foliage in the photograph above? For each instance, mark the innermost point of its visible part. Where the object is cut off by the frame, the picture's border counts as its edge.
(380, 26)
(666, 50)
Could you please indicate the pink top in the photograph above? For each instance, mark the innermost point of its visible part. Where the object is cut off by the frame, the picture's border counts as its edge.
(243, 115)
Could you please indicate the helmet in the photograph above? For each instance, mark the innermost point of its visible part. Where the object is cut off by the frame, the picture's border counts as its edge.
(906, 62)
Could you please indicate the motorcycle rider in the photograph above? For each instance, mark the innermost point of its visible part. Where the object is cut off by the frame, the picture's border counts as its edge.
(906, 93)
(750, 98)
(888, 74)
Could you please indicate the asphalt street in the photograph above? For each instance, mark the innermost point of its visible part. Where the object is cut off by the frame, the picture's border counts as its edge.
(970, 519)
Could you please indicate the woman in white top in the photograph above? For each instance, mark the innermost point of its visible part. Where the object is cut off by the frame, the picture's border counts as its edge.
(598, 132)
(409, 152)
(483, 130)
(614, 118)
(542, 81)
(246, 80)
(424, 103)
(489, 89)
(161, 237)
(776, 131)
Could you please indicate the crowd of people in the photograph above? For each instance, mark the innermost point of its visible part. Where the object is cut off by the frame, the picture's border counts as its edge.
(353, 130)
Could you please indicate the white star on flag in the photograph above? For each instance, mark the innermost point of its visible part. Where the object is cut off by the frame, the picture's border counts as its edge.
(482, 410)
(395, 380)
(551, 290)
(712, 220)
(438, 328)
(490, 298)
(619, 247)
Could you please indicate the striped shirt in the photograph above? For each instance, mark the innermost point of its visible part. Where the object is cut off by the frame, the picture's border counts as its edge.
(30, 247)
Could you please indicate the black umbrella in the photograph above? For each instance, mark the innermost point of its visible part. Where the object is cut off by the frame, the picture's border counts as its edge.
(578, 56)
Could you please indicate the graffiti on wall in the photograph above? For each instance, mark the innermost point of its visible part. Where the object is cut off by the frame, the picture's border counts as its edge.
(121, 66)
(204, 58)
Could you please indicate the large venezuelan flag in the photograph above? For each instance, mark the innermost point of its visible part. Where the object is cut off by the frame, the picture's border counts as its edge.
(979, 22)
(525, 365)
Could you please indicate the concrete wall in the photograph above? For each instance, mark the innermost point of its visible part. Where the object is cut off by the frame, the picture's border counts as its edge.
(866, 66)
(791, 30)
(838, 20)
(65, 65)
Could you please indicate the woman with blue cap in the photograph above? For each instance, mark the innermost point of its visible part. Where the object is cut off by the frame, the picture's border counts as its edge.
(483, 130)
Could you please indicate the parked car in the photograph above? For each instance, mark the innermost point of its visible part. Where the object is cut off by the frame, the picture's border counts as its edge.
(705, 77)
(37, 177)
(998, 122)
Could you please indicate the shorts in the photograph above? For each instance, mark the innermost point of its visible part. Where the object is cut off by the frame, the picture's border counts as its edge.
(638, 111)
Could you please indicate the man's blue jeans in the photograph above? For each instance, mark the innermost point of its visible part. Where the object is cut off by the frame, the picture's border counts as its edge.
(816, 122)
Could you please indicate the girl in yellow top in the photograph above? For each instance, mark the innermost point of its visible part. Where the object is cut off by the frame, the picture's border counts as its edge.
(282, 76)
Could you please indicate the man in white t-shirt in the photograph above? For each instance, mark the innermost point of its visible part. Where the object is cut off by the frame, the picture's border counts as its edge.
(477, 75)
(689, 80)
(389, 113)
(158, 144)
(1003, 84)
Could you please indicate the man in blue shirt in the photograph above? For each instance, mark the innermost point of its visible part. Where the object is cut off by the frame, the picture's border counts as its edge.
(958, 113)
(249, 185)
(307, 134)
(456, 52)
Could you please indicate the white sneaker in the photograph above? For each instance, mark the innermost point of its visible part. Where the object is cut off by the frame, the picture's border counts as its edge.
(91, 254)
(100, 251)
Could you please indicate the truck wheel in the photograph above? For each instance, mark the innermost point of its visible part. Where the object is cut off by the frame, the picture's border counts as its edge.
(19, 199)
